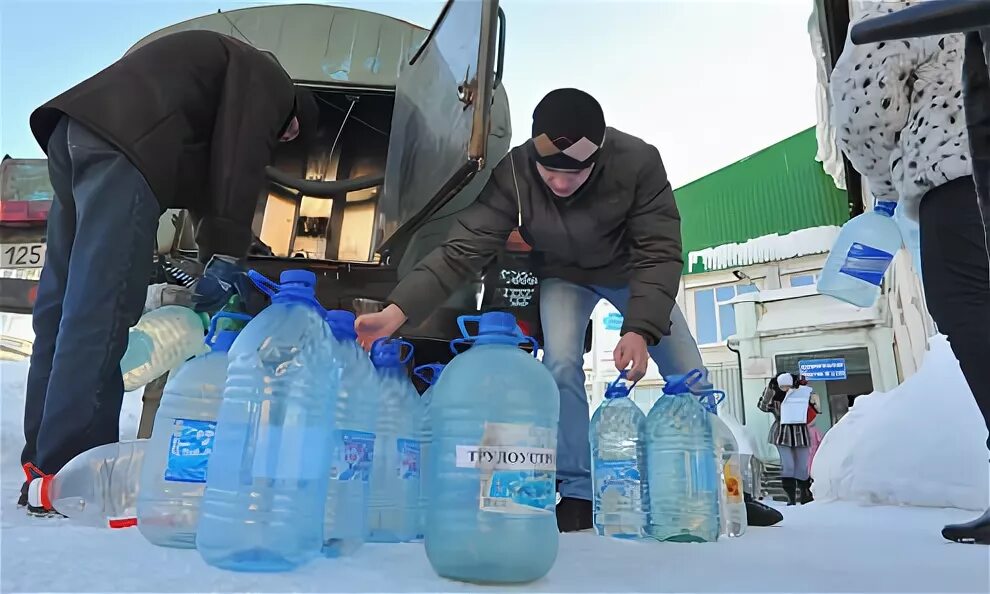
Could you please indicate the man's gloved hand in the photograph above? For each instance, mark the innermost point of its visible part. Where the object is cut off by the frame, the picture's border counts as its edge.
(222, 278)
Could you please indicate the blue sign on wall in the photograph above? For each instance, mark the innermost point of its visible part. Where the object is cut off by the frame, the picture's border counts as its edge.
(613, 321)
(823, 369)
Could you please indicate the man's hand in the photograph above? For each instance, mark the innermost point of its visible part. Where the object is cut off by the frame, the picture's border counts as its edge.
(631, 349)
(371, 327)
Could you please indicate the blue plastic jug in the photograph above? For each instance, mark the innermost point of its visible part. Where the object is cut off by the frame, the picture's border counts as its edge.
(173, 476)
(491, 515)
(395, 470)
(618, 464)
(680, 456)
(732, 506)
(267, 482)
(352, 445)
(860, 257)
(430, 374)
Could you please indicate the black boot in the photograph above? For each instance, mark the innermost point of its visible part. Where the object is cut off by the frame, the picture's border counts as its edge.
(574, 514)
(805, 491)
(758, 514)
(790, 487)
(22, 501)
(974, 532)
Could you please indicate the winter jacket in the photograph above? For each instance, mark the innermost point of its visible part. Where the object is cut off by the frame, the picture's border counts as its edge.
(898, 109)
(199, 114)
(621, 228)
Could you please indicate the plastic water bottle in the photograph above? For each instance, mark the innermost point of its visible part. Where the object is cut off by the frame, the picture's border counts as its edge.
(392, 511)
(732, 507)
(430, 374)
(352, 446)
(99, 487)
(492, 465)
(173, 477)
(860, 257)
(618, 464)
(683, 471)
(266, 487)
(910, 237)
(160, 341)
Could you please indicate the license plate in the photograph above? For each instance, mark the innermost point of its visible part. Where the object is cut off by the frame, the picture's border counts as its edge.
(22, 255)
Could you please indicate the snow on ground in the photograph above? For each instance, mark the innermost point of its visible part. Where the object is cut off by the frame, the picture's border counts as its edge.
(922, 443)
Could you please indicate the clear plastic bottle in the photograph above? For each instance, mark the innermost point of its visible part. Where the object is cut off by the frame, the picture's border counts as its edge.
(492, 464)
(266, 487)
(352, 446)
(860, 257)
(392, 511)
(161, 340)
(99, 487)
(910, 237)
(732, 507)
(618, 464)
(430, 374)
(683, 470)
(173, 477)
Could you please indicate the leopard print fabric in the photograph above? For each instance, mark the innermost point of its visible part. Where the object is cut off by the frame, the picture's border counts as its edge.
(898, 109)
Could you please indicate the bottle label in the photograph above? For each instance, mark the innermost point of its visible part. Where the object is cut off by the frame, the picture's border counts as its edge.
(409, 455)
(733, 482)
(189, 450)
(866, 263)
(517, 466)
(352, 455)
(617, 482)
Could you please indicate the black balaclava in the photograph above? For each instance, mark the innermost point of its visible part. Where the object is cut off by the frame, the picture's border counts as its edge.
(568, 130)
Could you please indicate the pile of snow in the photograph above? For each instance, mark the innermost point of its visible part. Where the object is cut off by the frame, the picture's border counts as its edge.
(923, 443)
(767, 248)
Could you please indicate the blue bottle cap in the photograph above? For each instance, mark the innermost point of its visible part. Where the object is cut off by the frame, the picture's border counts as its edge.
(223, 340)
(341, 324)
(297, 277)
(498, 322)
(885, 207)
(386, 353)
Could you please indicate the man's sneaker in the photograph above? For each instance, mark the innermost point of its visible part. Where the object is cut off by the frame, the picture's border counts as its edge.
(31, 474)
(974, 532)
(574, 515)
(758, 514)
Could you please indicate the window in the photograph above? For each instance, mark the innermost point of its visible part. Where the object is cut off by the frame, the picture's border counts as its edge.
(803, 280)
(714, 316)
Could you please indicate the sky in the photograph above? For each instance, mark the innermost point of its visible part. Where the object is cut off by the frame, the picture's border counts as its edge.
(706, 81)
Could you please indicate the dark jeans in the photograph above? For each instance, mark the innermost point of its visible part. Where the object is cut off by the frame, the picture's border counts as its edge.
(957, 280)
(101, 239)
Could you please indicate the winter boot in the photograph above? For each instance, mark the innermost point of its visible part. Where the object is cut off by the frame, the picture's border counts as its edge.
(805, 491)
(974, 532)
(31, 472)
(574, 515)
(790, 487)
(758, 514)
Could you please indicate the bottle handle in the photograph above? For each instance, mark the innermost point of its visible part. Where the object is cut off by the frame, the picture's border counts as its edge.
(622, 375)
(462, 322)
(212, 330)
(409, 353)
(263, 283)
(429, 373)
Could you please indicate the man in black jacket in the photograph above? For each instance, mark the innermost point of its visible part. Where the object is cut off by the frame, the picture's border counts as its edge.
(596, 207)
(187, 121)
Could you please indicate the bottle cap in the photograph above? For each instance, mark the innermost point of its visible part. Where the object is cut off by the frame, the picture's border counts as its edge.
(341, 324)
(885, 207)
(297, 277)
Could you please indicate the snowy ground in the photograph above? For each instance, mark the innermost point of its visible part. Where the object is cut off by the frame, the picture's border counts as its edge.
(839, 546)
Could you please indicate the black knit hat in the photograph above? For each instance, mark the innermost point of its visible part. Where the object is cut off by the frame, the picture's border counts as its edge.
(568, 130)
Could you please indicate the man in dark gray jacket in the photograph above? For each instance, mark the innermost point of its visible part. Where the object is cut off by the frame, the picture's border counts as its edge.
(596, 207)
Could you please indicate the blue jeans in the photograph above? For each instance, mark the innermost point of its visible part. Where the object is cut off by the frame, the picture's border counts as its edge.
(565, 309)
(101, 239)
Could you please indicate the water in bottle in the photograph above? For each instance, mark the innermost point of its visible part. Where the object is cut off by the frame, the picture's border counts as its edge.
(173, 477)
(99, 487)
(395, 471)
(860, 257)
(732, 507)
(161, 341)
(430, 374)
(494, 417)
(266, 486)
(683, 471)
(352, 445)
(618, 464)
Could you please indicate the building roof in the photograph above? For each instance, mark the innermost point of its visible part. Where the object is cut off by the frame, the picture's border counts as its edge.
(779, 190)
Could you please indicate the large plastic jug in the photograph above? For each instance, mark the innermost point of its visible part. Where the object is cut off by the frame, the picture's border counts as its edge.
(910, 237)
(683, 470)
(266, 487)
(494, 417)
(173, 476)
(395, 471)
(99, 487)
(860, 257)
(618, 464)
(430, 374)
(160, 341)
(732, 507)
(352, 446)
